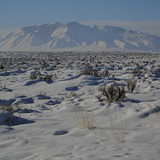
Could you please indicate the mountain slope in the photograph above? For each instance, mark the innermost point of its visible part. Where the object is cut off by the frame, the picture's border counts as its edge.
(75, 36)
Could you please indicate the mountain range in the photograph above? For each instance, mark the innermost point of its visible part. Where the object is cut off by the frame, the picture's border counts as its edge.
(74, 36)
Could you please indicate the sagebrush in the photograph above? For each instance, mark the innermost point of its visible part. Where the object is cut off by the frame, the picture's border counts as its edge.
(113, 93)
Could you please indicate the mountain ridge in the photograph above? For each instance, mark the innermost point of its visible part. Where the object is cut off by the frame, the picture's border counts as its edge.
(75, 36)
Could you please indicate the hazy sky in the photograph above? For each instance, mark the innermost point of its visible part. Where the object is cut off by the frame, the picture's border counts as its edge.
(19, 13)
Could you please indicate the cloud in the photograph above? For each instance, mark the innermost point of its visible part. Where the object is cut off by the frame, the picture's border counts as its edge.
(151, 27)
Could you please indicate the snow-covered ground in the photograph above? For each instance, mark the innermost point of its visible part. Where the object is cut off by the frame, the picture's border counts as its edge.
(49, 109)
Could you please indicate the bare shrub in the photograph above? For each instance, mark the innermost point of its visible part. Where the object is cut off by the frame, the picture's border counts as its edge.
(42, 93)
(113, 93)
(90, 72)
(96, 73)
(99, 97)
(33, 76)
(48, 78)
(7, 108)
(5, 117)
(44, 64)
(1, 66)
(71, 95)
(136, 71)
(104, 73)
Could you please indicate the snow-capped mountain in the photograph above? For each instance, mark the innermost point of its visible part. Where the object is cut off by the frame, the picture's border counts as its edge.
(75, 36)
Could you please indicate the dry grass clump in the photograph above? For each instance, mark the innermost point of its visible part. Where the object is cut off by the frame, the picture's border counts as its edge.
(118, 134)
(115, 133)
(156, 72)
(113, 93)
(154, 110)
(84, 119)
(3, 86)
(131, 85)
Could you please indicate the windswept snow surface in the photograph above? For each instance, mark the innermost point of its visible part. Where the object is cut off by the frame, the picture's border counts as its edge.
(45, 124)
(74, 36)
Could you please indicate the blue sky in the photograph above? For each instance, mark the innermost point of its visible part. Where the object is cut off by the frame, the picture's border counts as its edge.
(20, 13)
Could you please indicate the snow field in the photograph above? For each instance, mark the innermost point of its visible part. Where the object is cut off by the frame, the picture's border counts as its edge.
(61, 118)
